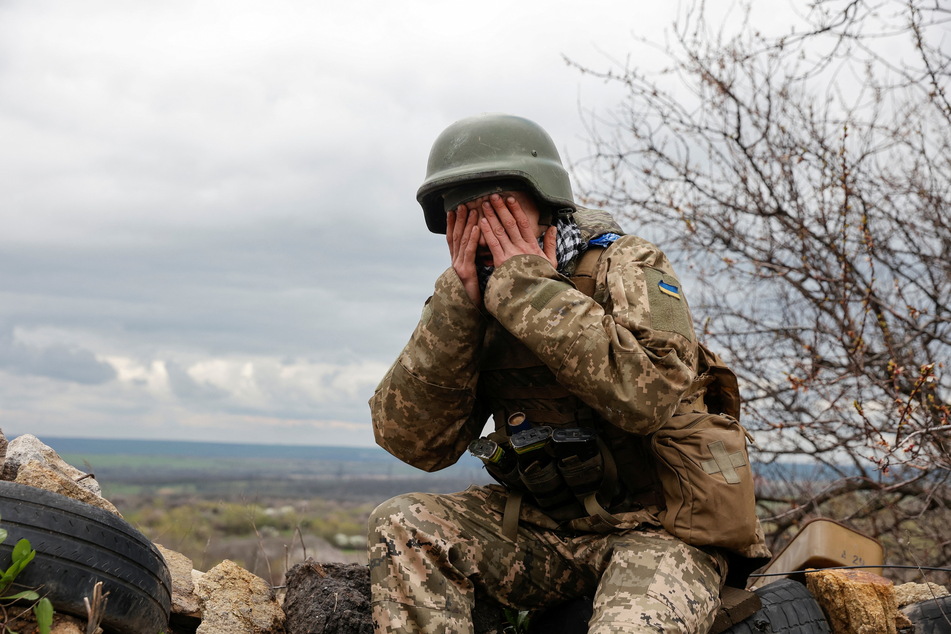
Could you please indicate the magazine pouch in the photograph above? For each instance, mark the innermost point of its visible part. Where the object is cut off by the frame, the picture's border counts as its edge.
(546, 485)
(704, 470)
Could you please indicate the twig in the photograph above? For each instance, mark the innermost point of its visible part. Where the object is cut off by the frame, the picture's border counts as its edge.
(95, 609)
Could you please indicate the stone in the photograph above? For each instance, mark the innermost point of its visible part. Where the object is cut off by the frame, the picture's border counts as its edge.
(908, 593)
(236, 601)
(40, 475)
(64, 624)
(186, 608)
(3, 447)
(26, 448)
(856, 602)
(327, 598)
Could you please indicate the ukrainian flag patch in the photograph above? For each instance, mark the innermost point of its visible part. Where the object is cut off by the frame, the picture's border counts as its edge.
(668, 307)
(668, 289)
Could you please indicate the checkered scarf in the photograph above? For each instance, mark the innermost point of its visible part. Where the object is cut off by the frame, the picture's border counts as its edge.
(568, 245)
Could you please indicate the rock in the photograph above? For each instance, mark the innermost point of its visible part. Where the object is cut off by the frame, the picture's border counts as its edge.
(3, 447)
(186, 609)
(856, 602)
(40, 475)
(909, 593)
(28, 447)
(328, 598)
(64, 624)
(236, 601)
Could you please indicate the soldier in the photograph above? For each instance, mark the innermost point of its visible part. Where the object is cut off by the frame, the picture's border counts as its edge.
(577, 340)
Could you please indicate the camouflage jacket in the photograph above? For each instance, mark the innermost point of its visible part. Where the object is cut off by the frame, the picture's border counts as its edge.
(623, 360)
(629, 352)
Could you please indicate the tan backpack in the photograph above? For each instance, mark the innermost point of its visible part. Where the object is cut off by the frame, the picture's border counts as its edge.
(704, 467)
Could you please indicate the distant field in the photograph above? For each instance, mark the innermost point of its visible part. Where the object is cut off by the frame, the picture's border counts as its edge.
(264, 506)
(132, 467)
(214, 449)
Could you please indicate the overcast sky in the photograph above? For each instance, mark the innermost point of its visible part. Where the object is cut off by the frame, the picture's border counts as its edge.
(208, 225)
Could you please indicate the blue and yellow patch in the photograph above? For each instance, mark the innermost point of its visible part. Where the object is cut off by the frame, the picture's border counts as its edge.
(668, 289)
(604, 240)
(668, 306)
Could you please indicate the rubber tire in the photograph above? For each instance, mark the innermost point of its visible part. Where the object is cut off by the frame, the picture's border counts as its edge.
(77, 545)
(788, 608)
(930, 617)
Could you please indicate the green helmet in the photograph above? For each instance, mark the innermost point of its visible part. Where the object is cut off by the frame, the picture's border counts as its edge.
(492, 152)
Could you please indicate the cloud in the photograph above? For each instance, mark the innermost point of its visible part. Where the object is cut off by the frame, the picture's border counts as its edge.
(209, 225)
(260, 386)
(60, 362)
(187, 388)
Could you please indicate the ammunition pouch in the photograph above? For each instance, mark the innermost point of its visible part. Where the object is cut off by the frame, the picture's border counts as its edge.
(546, 484)
(583, 477)
(564, 470)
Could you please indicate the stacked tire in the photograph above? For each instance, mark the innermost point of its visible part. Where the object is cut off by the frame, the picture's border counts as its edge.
(788, 607)
(932, 616)
(78, 545)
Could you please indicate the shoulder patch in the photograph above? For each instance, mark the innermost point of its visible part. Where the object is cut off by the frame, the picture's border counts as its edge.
(543, 293)
(668, 308)
(604, 240)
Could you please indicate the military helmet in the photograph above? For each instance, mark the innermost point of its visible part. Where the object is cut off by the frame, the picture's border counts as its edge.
(493, 149)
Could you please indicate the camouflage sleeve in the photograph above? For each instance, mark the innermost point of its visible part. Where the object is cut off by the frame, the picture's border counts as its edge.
(630, 357)
(422, 410)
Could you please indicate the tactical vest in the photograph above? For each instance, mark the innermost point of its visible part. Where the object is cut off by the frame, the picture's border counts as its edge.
(610, 472)
(693, 473)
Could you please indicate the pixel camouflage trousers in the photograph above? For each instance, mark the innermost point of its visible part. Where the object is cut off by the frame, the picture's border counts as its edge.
(427, 553)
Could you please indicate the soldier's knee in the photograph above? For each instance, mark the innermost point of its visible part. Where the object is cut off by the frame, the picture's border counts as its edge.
(398, 513)
(386, 513)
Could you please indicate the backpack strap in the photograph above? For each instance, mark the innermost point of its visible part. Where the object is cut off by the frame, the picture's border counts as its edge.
(585, 276)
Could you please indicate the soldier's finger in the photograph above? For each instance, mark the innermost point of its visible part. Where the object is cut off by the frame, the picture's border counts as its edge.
(460, 224)
(492, 240)
(472, 217)
(495, 229)
(450, 229)
(464, 231)
(472, 244)
(521, 218)
(450, 226)
(498, 204)
(551, 241)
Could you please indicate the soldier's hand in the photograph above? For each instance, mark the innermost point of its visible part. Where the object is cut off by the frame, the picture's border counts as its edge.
(508, 231)
(462, 234)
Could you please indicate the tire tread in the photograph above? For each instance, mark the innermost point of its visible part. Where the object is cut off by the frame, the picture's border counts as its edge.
(788, 608)
(77, 545)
